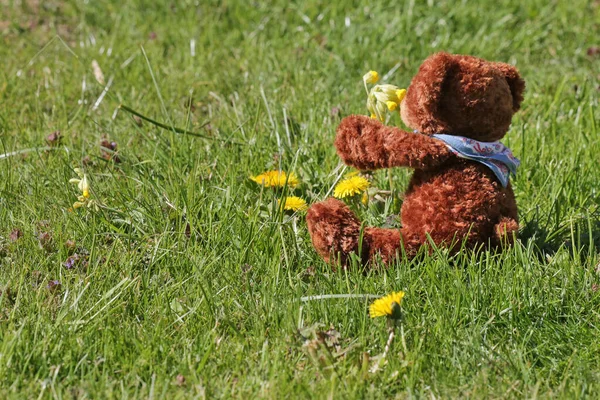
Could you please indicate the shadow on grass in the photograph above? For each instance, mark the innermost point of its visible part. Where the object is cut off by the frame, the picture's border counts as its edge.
(580, 236)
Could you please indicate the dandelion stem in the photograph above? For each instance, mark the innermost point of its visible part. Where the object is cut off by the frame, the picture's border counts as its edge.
(381, 359)
(388, 344)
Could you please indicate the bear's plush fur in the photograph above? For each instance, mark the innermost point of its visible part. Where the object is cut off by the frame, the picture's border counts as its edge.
(450, 200)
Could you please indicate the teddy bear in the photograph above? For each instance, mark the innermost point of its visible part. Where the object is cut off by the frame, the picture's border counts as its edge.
(459, 195)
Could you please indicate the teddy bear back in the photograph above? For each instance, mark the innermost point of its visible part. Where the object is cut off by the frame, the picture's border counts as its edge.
(464, 96)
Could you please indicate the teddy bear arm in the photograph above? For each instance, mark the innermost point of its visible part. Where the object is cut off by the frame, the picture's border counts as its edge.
(404, 149)
(412, 150)
(367, 144)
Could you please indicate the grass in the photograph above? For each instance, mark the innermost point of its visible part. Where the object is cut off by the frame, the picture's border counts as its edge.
(190, 270)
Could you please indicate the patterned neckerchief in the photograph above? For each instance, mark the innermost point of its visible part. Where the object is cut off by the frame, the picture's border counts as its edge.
(493, 155)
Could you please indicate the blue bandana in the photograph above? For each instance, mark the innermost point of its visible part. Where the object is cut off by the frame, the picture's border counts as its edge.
(493, 155)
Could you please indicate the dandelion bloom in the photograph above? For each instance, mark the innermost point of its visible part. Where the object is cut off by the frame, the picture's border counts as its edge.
(276, 179)
(294, 203)
(350, 187)
(387, 306)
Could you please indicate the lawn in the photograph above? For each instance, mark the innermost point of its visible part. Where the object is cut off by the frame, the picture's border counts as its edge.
(185, 280)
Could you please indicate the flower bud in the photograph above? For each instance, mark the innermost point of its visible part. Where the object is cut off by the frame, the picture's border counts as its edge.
(371, 77)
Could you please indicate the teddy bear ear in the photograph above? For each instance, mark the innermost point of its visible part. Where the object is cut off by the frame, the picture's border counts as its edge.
(431, 77)
(515, 83)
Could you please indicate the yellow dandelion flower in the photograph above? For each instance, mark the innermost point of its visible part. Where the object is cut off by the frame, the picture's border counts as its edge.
(294, 203)
(387, 306)
(276, 179)
(350, 187)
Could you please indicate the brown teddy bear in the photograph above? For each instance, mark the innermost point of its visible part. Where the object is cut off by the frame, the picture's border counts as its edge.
(459, 107)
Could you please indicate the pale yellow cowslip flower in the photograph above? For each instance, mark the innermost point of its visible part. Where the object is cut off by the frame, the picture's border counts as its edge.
(83, 185)
(391, 105)
(385, 93)
(371, 77)
(376, 108)
(401, 94)
(388, 90)
(382, 98)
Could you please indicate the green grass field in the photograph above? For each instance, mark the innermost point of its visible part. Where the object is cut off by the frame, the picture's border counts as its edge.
(187, 281)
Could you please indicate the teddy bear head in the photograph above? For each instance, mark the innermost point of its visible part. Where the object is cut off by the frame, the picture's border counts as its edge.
(464, 96)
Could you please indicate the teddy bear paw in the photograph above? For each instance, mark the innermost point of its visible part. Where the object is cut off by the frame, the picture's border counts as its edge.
(334, 230)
